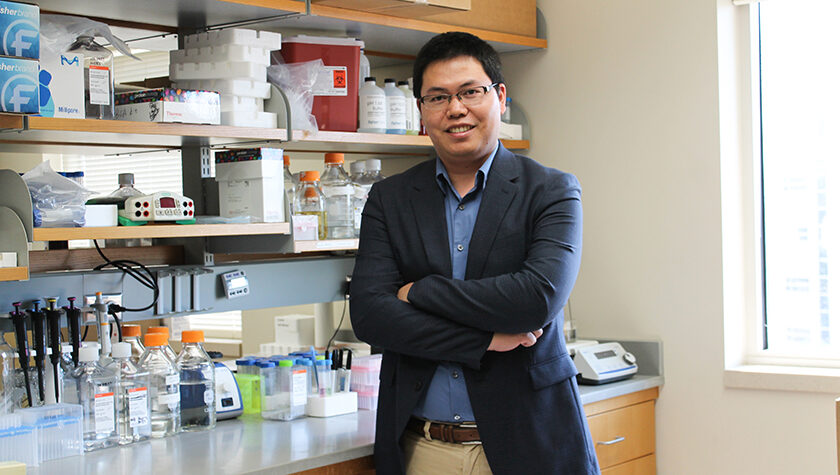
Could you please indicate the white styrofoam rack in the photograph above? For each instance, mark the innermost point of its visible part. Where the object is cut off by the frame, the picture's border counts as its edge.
(218, 70)
(236, 87)
(232, 102)
(219, 53)
(235, 36)
(250, 119)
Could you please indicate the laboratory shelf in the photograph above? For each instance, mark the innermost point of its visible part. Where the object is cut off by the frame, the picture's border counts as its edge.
(13, 273)
(160, 231)
(30, 134)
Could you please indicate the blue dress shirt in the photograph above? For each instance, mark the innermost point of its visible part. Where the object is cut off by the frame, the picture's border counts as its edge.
(447, 399)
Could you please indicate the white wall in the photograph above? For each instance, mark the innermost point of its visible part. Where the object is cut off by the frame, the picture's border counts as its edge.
(626, 98)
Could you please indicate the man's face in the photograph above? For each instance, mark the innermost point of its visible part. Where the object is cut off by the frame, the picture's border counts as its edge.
(462, 135)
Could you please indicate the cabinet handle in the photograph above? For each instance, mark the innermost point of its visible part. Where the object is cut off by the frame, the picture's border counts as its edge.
(614, 441)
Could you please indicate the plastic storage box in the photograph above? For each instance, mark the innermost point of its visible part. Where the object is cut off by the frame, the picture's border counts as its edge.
(251, 184)
(169, 105)
(364, 380)
(336, 102)
(59, 429)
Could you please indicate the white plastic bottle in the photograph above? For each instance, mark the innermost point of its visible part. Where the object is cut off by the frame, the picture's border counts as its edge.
(338, 191)
(396, 108)
(96, 389)
(364, 67)
(198, 383)
(506, 113)
(134, 421)
(373, 107)
(373, 167)
(410, 110)
(165, 394)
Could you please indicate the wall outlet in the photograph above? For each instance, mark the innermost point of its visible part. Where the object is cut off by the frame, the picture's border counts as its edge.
(106, 299)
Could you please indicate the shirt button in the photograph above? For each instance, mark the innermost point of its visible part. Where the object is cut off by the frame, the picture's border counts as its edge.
(457, 417)
(455, 374)
(461, 207)
(460, 247)
(418, 385)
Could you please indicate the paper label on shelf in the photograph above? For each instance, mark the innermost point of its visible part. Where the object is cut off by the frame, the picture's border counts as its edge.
(299, 387)
(138, 402)
(331, 81)
(100, 85)
(173, 379)
(103, 407)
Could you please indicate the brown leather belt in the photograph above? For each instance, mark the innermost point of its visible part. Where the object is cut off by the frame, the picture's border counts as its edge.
(453, 433)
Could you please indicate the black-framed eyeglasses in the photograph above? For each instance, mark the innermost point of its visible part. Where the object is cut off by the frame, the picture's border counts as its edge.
(470, 96)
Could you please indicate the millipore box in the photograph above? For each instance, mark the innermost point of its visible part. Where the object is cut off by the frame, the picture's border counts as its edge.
(20, 29)
(62, 81)
(19, 85)
(169, 105)
(251, 184)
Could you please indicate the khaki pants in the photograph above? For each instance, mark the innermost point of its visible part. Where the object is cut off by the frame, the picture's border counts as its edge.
(434, 457)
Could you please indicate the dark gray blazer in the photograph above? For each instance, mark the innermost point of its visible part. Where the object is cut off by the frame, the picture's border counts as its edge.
(523, 260)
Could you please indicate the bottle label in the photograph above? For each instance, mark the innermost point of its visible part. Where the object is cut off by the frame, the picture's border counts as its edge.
(209, 397)
(299, 387)
(100, 85)
(103, 408)
(372, 112)
(173, 379)
(138, 411)
(332, 190)
(169, 399)
(331, 81)
(396, 112)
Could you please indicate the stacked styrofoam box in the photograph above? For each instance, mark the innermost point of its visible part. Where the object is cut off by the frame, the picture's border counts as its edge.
(234, 63)
(364, 380)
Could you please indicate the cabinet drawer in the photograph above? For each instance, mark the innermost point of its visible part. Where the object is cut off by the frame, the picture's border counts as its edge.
(643, 466)
(623, 434)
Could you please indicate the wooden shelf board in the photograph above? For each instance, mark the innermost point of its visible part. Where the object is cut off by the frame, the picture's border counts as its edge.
(116, 136)
(160, 231)
(327, 245)
(13, 273)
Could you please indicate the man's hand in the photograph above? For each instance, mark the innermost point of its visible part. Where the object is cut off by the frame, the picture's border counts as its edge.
(402, 294)
(511, 341)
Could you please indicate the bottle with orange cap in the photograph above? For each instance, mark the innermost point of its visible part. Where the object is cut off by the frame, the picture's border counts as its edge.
(164, 387)
(131, 335)
(289, 186)
(198, 383)
(309, 200)
(167, 349)
(339, 193)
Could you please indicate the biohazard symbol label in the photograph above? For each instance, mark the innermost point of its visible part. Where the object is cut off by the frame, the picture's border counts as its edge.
(339, 78)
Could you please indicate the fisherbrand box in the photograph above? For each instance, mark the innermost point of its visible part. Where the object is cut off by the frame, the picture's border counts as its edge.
(19, 29)
(18, 85)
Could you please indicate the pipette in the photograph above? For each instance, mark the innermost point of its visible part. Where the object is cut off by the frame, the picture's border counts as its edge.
(54, 320)
(19, 321)
(39, 343)
(74, 316)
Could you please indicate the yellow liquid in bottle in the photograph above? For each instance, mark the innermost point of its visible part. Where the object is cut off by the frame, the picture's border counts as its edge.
(322, 222)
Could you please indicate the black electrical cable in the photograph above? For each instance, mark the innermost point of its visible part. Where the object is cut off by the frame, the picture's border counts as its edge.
(112, 311)
(84, 335)
(340, 321)
(127, 266)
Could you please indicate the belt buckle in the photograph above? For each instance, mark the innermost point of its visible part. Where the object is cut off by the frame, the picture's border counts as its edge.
(468, 425)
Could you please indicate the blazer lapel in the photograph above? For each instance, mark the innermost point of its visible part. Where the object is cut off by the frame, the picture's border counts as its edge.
(430, 218)
(495, 201)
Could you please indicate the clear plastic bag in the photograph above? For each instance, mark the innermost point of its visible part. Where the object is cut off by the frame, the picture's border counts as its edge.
(297, 80)
(58, 32)
(56, 201)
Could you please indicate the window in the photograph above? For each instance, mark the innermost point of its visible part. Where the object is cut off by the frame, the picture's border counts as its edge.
(800, 158)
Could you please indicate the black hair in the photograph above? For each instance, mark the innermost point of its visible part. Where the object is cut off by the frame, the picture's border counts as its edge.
(453, 44)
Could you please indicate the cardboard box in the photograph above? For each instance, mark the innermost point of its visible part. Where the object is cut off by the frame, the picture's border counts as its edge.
(518, 17)
(403, 8)
(20, 26)
(19, 85)
(252, 188)
(62, 80)
(169, 105)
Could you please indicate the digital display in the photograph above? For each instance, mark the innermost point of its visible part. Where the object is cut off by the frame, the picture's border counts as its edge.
(604, 354)
(238, 282)
(167, 202)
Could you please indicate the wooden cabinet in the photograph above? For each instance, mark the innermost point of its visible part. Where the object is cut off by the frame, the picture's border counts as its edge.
(624, 433)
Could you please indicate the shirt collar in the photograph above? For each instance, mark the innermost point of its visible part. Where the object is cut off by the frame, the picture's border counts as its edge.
(443, 176)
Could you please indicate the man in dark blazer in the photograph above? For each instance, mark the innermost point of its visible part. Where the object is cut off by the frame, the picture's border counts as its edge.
(464, 265)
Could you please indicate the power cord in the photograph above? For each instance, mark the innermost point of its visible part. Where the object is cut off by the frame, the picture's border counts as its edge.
(340, 321)
(127, 266)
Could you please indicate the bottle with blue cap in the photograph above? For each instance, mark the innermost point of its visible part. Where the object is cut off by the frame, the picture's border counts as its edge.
(271, 403)
(249, 385)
